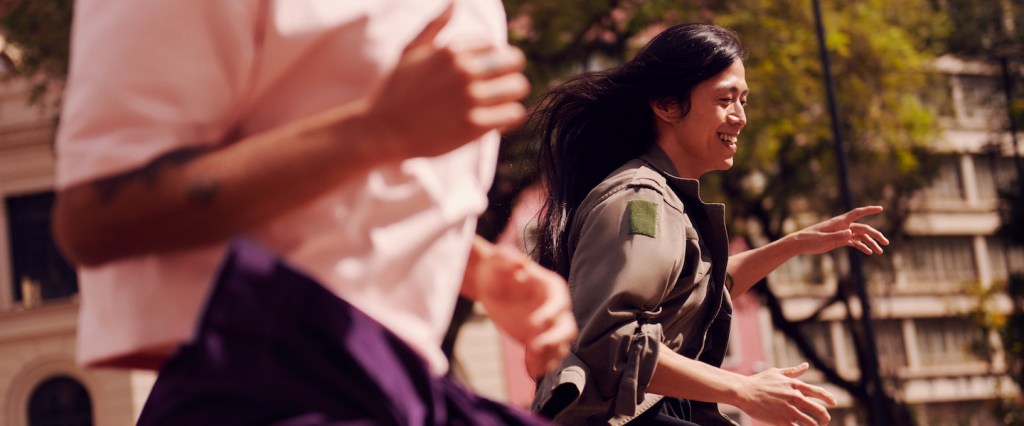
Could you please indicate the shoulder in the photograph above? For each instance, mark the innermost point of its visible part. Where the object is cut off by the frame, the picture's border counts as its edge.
(635, 180)
(635, 201)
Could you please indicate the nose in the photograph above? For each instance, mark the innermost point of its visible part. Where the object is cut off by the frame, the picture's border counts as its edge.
(738, 116)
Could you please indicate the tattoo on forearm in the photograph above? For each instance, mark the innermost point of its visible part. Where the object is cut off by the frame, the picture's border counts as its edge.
(199, 192)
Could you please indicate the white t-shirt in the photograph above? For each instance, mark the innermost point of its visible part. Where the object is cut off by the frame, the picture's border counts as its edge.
(148, 77)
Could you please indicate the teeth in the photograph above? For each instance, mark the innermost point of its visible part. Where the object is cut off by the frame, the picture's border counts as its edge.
(727, 138)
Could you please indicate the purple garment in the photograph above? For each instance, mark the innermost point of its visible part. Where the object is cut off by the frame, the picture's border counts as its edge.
(274, 347)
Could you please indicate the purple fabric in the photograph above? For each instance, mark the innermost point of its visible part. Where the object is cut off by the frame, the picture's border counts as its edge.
(276, 348)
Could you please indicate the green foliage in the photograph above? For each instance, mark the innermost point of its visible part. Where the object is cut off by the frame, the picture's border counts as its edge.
(40, 30)
(981, 26)
(563, 37)
(879, 52)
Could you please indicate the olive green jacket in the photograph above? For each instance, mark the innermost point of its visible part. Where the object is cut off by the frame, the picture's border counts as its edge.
(648, 262)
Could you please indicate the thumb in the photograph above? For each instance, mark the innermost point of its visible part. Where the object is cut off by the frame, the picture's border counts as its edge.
(427, 35)
(797, 371)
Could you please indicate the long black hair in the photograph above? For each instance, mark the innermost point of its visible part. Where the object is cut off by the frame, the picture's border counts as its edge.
(594, 123)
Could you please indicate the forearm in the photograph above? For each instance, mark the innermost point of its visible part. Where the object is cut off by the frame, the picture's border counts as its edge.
(749, 267)
(681, 377)
(480, 250)
(208, 195)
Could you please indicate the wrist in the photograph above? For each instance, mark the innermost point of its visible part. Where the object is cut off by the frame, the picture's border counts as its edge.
(375, 143)
(479, 250)
(791, 244)
(736, 391)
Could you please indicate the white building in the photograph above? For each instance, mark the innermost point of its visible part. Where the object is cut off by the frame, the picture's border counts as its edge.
(39, 382)
(932, 354)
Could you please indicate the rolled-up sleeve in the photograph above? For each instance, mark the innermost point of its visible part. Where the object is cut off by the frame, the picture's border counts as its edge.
(149, 77)
(625, 263)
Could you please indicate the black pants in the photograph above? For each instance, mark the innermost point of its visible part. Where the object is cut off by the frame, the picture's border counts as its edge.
(668, 412)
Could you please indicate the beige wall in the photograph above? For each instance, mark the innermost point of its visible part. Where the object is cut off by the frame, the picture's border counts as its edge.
(37, 344)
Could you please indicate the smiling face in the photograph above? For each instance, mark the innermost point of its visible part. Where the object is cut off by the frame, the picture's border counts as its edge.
(705, 138)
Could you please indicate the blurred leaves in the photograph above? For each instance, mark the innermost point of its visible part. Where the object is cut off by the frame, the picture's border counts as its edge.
(37, 33)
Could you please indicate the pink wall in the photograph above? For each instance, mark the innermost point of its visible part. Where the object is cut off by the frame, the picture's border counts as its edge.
(519, 386)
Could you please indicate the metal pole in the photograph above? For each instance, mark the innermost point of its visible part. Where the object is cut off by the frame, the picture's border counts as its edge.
(878, 412)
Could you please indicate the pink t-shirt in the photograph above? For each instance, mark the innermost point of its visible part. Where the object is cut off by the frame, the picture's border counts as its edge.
(148, 77)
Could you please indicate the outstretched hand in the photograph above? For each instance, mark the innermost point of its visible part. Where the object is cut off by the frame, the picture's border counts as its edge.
(439, 98)
(843, 230)
(524, 299)
(775, 396)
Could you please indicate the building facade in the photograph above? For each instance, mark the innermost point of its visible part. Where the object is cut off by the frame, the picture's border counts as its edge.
(930, 303)
(39, 381)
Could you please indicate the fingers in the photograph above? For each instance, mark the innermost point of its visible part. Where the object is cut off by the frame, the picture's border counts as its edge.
(817, 392)
(857, 213)
(864, 237)
(550, 327)
(439, 98)
(794, 372)
(802, 418)
(499, 90)
(807, 411)
(546, 351)
(552, 288)
(870, 233)
(496, 87)
(867, 239)
(487, 61)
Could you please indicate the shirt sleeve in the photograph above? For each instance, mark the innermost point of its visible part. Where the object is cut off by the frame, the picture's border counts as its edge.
(148, 77)
(626, 259)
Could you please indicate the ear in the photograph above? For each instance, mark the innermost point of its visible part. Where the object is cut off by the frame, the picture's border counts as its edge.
(666, 109)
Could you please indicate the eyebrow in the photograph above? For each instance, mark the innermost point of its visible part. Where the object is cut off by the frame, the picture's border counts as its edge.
(731, 89)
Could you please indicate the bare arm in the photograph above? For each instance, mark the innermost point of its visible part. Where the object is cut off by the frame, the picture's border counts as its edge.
(774, 395)
(527, 301)
(749, 267)
(197, 196)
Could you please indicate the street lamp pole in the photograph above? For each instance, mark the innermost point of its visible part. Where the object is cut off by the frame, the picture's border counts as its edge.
(878, 412)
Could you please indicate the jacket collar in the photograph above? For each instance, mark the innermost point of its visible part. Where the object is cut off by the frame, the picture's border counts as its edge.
(658, 160)
(716, 234)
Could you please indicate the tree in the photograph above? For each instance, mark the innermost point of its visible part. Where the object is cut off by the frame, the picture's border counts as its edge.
(880, 50)
(994, 32)
(784, 169)
(37, 33)
(879, 53)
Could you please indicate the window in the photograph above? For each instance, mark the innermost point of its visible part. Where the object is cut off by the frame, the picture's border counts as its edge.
(1004, 259)
(34, 256)
(801, 269)
(947, 184)
(892, 354)
(818, 335)
(983, 99)
(940, 259)
(956, 413)
(993, 175)
(938, 94)
(60, 401)
(949, 341)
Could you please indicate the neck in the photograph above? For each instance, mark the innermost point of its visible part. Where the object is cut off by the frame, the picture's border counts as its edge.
(675, 153)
